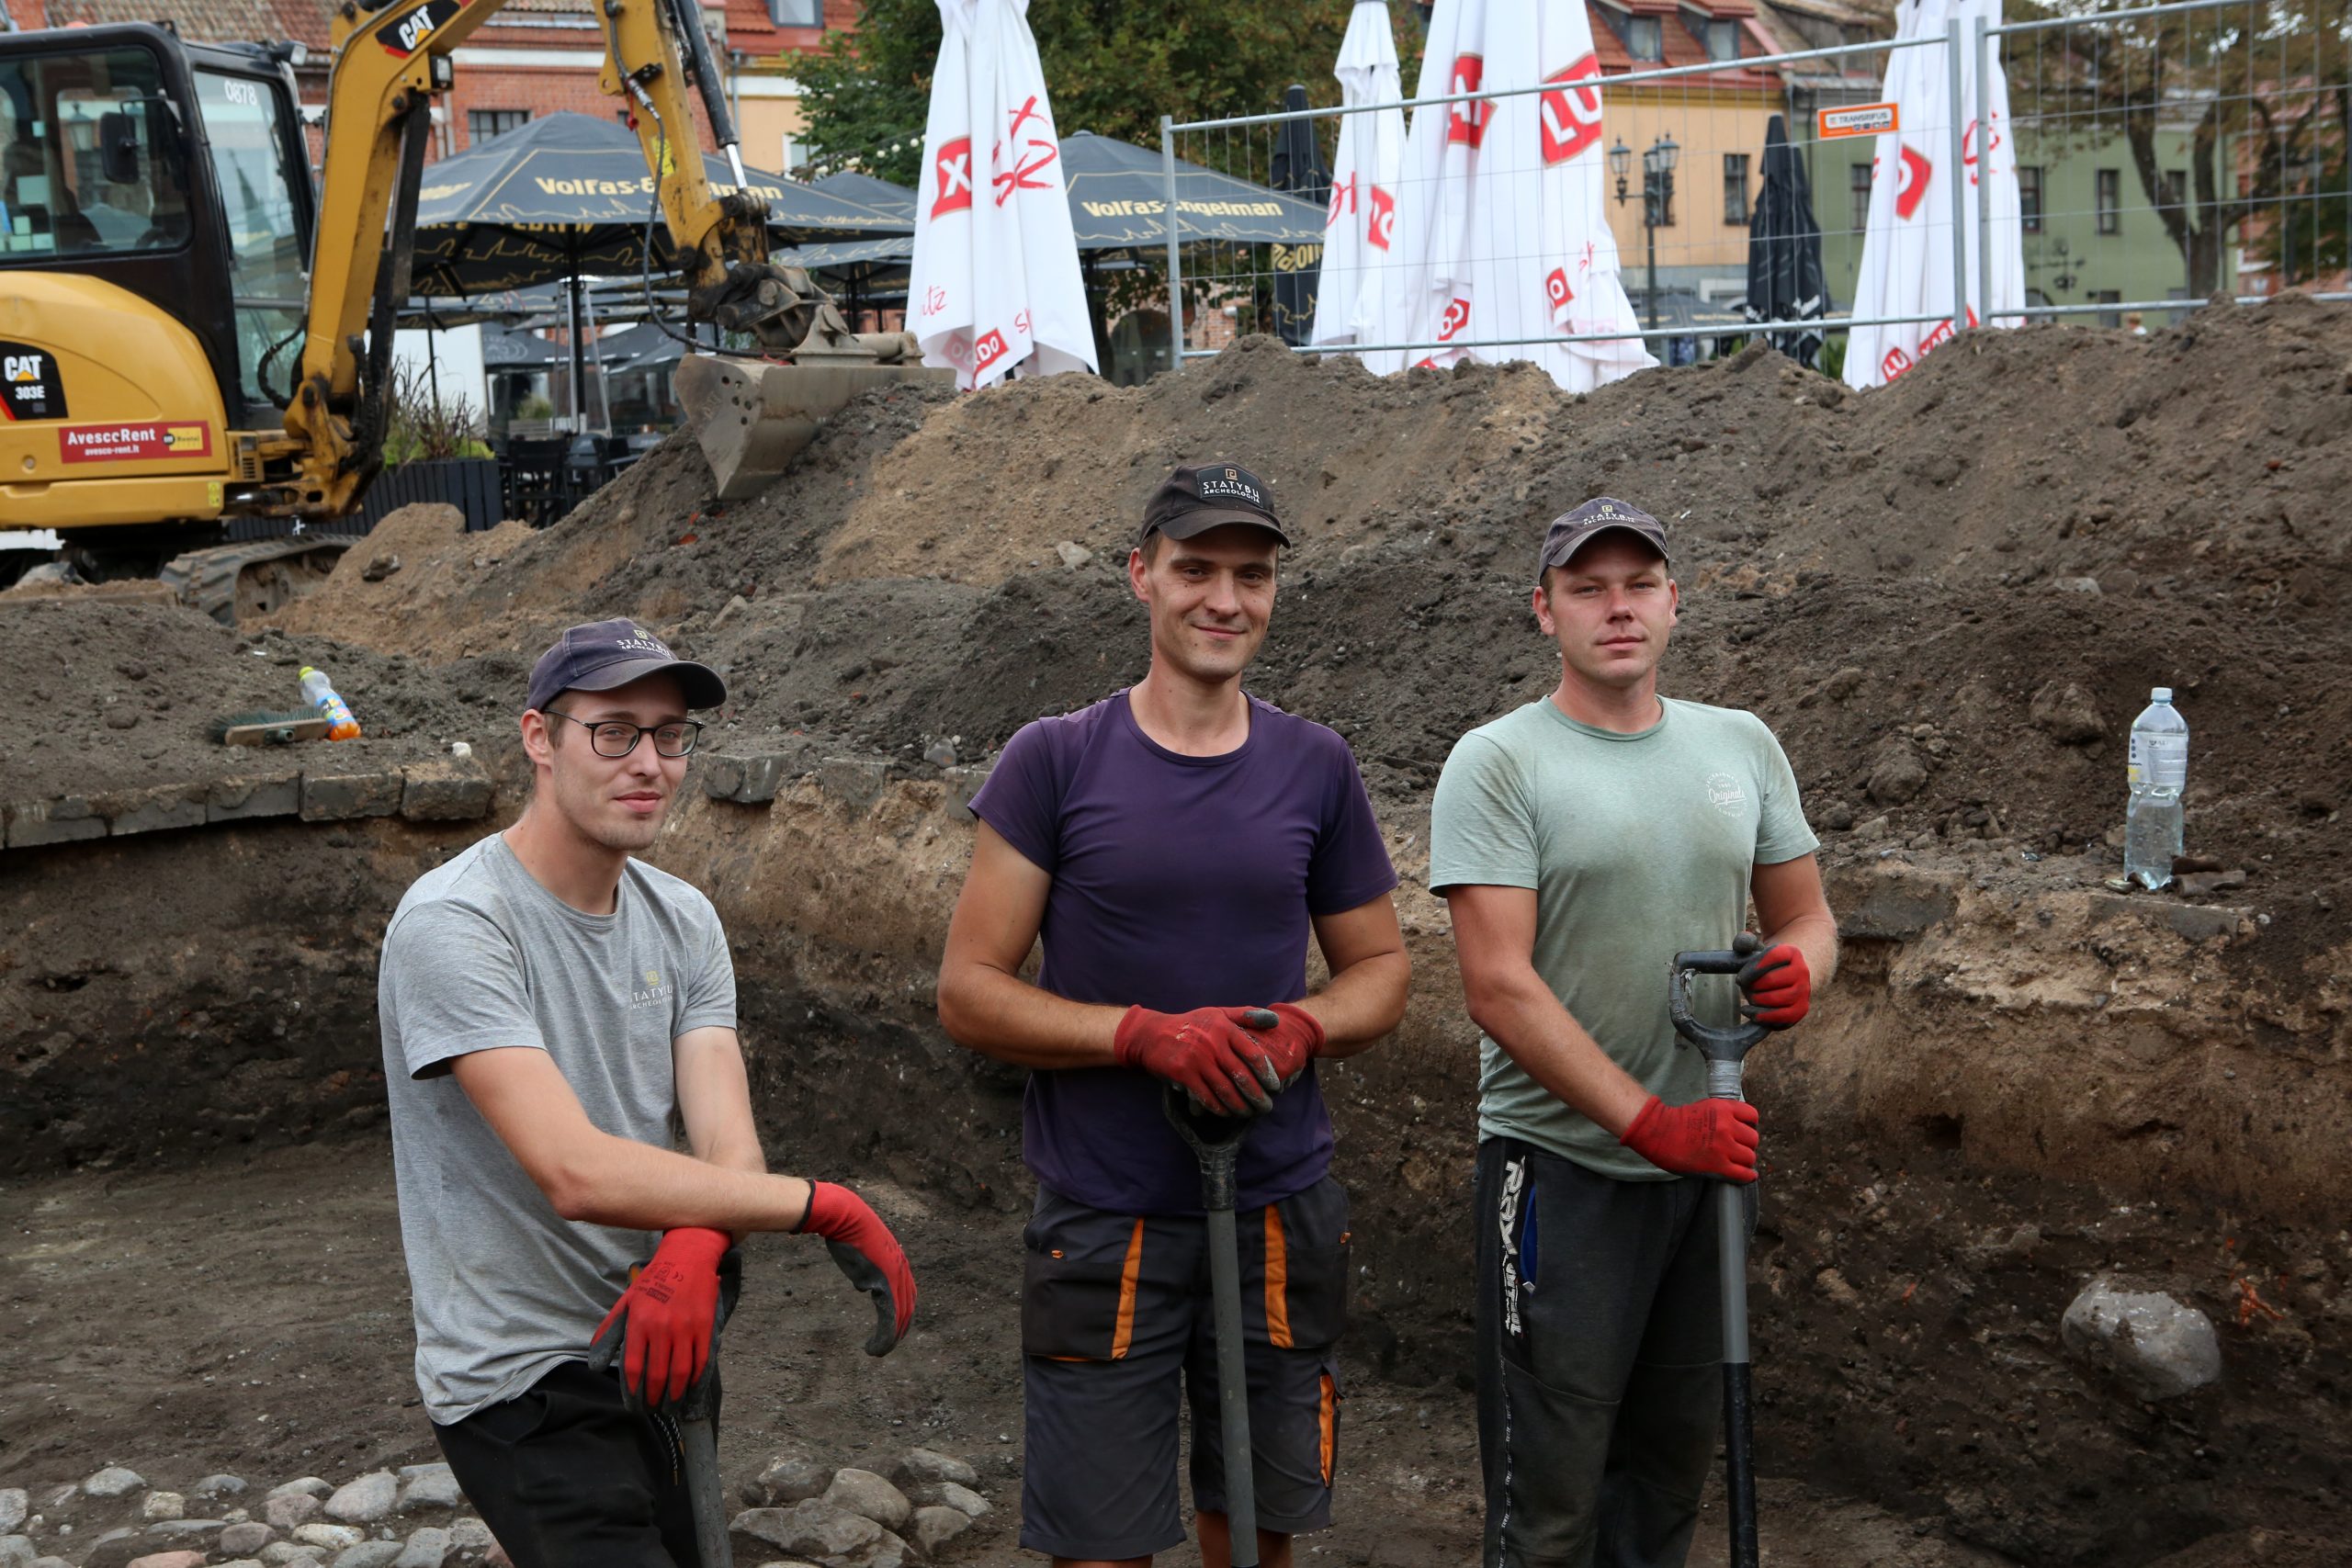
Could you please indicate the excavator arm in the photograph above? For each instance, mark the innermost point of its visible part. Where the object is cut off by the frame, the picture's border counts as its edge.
(389, 65)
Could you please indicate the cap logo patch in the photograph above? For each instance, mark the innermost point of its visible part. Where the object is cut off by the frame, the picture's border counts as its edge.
(643, 642)
(1232, 484)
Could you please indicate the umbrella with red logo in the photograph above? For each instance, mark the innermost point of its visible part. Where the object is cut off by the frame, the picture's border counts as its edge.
(1906, 269)
(1357, 265)
(1504, 204)
(995, 283)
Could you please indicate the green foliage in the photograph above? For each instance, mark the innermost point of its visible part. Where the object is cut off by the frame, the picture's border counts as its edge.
(1831, 360)
(536, 406)
(427, 424)
(1112, 67)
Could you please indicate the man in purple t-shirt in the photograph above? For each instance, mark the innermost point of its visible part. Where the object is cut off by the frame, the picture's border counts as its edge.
(1174, 845)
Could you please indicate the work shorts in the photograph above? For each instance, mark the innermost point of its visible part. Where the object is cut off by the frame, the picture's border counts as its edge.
(1117, 1335)
(567, 1476)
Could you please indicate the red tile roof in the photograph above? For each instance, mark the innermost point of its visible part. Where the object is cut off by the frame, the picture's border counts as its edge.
(200, 21)
(1681, 45)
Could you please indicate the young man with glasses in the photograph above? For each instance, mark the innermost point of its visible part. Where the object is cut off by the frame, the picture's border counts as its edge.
(555, 1013)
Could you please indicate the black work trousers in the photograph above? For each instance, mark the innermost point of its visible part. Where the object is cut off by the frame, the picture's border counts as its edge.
(567, 1476)
(1600, 1360)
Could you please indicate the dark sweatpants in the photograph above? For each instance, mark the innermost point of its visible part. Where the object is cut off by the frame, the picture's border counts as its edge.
(567, 1476)
(1600, 1360)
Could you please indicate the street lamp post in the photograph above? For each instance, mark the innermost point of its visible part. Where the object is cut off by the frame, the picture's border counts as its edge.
(1658, 198)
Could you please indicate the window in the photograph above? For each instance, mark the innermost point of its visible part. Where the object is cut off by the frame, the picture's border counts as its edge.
(1722, 39)
(1736, 189)
(2030, 197)
(483, 124)
(89, 156)
(1859, 183)
(252, 160)
(2108, 296)
(796, 12)
(1645, 38)
(2110, 201)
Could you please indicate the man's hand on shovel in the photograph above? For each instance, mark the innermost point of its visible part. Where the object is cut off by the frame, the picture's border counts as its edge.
(1215, 1054)
(665, 1328)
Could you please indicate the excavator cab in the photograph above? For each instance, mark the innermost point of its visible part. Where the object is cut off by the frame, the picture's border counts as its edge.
(157, 210)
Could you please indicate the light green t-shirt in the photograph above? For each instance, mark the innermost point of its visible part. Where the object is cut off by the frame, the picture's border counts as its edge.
(1638, 847)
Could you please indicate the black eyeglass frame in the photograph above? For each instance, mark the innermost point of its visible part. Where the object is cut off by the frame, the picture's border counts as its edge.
(693, 728)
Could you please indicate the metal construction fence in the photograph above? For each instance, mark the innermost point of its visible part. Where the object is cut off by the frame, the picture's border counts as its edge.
(2165, 155)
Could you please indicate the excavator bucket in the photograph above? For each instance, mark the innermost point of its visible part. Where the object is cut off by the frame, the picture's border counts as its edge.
(753, 416)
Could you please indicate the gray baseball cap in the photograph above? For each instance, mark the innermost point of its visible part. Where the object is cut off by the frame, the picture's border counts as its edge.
(602, 654)
(1570, 531)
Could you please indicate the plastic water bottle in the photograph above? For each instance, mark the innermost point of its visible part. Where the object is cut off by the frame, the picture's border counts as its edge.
(321, 694)
(2159, 768)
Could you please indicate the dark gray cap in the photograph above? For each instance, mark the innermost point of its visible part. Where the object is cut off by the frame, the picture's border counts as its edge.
(603, 654)
(1201, 496)
(1570, 531)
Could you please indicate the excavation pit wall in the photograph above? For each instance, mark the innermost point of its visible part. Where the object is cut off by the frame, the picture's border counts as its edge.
(2021, 1082)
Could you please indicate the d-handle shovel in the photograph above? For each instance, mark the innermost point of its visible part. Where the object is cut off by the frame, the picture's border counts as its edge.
(1723, 1049)
(694, 1418)
(1215, 1142)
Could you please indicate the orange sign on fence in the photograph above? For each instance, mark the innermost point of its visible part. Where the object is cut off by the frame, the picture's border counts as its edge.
(1858, 119)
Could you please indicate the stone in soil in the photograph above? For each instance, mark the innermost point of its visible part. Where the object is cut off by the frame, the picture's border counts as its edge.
(863, 1492)
(244, 1539)
(371, 1554)
(168, 1559)
(16, 1551)
(218, 1487)
(949, 1494)
(426, 1549)
(812, 1528)
(114, 1482)
(289, 1554)
(2157, 1347)
(162, 1505)
(330, 1537)
(291, 1511)
(13, 1505)
(469, 1534)
(427, 1486)
(922, 1467)
(366, 1500)
(307, 1486)
(935, 1527)
(787, 1481)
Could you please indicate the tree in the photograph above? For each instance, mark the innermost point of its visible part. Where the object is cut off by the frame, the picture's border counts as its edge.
(2259, 90)
(1113, 66)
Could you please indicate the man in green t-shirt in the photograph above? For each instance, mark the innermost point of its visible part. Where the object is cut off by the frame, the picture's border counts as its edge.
(1581, 841)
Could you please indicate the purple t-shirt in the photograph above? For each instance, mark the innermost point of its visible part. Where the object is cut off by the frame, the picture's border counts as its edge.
(1179, 883)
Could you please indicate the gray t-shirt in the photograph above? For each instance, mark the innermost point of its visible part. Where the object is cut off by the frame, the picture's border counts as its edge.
(1638, 847)
(479, 956)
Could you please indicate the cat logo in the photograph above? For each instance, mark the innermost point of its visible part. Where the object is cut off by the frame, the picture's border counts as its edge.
(28, 383)
(20, 368)
(405, 32)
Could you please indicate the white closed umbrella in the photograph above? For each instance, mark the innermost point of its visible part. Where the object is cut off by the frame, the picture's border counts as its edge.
(995, 282)
(1504, 205)
(1359, 244)
(1906, 269)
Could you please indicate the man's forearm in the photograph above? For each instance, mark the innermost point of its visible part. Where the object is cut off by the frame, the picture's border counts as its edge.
(1521, 1014)
(1816, 937)
(1363, 1003)
(618, 1181)
(1000, 1015)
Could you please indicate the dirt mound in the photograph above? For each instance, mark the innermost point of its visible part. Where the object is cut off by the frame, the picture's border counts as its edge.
(117, 696)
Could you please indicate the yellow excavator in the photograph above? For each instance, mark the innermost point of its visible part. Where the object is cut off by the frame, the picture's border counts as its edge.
(192, 332)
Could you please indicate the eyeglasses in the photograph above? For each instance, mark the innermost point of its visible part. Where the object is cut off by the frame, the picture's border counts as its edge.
(611, 738)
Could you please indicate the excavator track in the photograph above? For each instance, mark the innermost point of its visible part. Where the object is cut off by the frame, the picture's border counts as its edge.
(256, 577)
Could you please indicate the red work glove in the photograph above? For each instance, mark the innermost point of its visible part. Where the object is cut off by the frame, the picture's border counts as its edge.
(1294, 1038)
(667, 1317)
(1205, 1054)
(1778, 984)
(865, 1250)
(1706, 1137)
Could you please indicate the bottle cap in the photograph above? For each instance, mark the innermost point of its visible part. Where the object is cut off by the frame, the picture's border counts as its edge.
(2161, 695)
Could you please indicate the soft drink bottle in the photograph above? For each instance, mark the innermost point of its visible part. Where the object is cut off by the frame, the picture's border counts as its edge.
(321, 694)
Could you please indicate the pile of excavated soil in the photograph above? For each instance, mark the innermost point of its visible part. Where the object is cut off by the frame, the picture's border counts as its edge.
(1949, 596)
(112, 696)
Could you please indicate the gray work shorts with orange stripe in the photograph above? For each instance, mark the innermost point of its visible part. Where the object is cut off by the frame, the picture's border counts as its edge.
(1118, 1336)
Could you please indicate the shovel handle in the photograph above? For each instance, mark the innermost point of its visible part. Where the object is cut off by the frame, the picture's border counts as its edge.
(1722, 1048)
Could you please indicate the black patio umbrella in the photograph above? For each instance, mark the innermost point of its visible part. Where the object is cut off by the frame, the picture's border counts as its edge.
(1298, 169)
(867, 190)
(1117, 193)
(1784, 278)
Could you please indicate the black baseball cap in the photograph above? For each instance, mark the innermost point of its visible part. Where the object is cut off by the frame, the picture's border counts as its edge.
(1570, 531)
(1201, 496)
(603, 654)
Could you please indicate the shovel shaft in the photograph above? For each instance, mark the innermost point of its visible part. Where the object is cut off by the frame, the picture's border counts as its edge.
(1233, 1388)
(700, 1440)
(1739, 1443)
